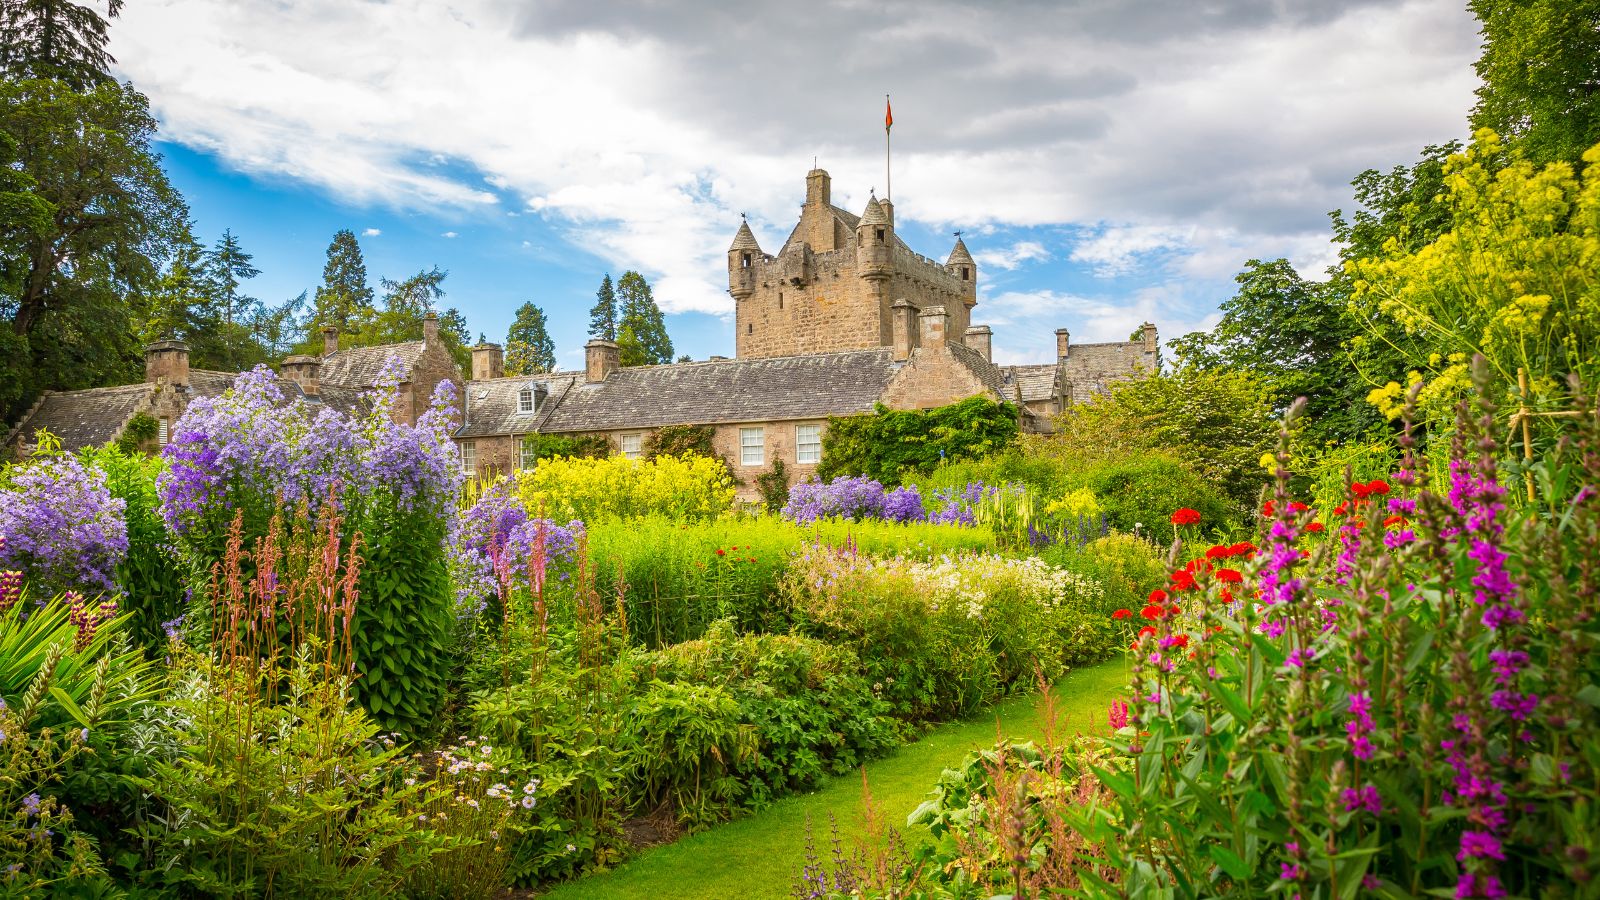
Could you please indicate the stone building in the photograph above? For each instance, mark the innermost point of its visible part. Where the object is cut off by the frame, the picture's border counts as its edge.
(337, 378)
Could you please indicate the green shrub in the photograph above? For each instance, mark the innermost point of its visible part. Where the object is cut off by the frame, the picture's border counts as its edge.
(1140, 492)
(890, 445)
(774, 486)
(153, 581)
(580, 446)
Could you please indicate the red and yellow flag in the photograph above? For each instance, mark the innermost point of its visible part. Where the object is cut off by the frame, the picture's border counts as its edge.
(888, 114)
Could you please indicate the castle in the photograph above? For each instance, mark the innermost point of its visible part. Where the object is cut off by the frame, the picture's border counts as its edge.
(844, 318)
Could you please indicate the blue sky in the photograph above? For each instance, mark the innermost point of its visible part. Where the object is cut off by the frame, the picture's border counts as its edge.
(1107, 162)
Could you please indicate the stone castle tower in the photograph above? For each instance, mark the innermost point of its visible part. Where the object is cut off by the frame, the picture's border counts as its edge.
(837, 280)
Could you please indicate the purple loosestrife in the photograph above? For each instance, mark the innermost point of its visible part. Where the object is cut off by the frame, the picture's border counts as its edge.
(62, 527)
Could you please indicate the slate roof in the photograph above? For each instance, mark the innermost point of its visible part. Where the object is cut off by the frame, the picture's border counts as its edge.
(813, 386)
(359, 367)
(493, 407)
(85, 418)
(1036, 382)
(986, 371)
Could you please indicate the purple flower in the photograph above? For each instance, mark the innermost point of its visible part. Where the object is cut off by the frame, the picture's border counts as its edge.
(63, 530)
(1364, 798)
(1480, 845)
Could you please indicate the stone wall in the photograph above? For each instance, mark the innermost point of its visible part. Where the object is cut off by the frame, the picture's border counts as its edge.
(433, 366)
(932, 378)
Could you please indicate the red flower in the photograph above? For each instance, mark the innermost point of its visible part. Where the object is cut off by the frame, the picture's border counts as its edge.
(1186, 516)
(1342, 509)
(1377, 486)
(1180, 640)
(1152, 612)
(752, 559)
(1296, 506)
(1182, 581)
(1268, 508)
(1147, 631)
(721, 552)
(1244, 548)
(1394, 520)
(1121, 614)
(1230, 576)
(1158, 596)
(1219, 552)
(1227, 596)
(1316, 528)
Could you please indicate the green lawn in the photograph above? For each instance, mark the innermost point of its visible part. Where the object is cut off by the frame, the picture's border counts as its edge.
(758, 856)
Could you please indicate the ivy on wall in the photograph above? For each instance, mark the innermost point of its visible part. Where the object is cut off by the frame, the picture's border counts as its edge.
(889, 445)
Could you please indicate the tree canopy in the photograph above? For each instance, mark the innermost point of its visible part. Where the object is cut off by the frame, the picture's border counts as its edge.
(603, 315)
(529, 347)
(641, 330)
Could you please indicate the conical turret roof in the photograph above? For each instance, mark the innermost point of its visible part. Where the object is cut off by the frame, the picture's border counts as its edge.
(745, 239)
(959, 255)
(873, 214)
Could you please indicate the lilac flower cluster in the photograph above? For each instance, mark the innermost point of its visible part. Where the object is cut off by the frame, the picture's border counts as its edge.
(495, 538)
(252, 448)
(62, 527)
(859, 498)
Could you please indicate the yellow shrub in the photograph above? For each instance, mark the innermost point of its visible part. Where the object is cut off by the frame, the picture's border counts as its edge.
(594, 490)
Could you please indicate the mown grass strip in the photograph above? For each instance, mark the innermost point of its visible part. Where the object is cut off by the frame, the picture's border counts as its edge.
(758, 856)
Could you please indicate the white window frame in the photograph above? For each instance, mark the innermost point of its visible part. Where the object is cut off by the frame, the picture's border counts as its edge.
(808, 452)
(527, 452)
(163, 431)
(636, 450)
(469, 457)
(753, 446)
(527, 401)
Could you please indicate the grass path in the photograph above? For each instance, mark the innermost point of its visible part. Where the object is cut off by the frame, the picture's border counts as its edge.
(757, 857)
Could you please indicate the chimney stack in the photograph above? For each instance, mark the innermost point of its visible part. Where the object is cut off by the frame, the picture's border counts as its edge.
(430, 329)
(902, 314)
(1150, 337)
(305, 371)
(488, 361)
(601, 358)
(330, 340)
(1063, 343)
(167, 360)
(933, 321)
(981, 338)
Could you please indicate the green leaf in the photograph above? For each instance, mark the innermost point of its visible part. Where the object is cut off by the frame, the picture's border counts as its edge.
(1230, 862)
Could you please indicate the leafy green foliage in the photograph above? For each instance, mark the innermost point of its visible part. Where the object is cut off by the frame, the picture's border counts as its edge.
(579, 446)
(774, 486)
(154, 581)
(59, 39)
(1538, 70)
(676, 440)
(529, 347)
(890, 445)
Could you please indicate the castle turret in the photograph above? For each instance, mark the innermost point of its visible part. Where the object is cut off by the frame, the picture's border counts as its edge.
(961, 265)
(743, 255)
(874, 238)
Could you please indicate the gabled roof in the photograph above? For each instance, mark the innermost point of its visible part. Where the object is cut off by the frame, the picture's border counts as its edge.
(359, 367)
(813, 386)
(1036, 382)
(86, 418)
(493, 405)
(986, 371)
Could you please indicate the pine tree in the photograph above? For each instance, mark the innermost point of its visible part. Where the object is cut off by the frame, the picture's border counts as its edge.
(603, 315)
(56, 39)
(229, 267)
(529, 347)
(641, 331)
(344, 300)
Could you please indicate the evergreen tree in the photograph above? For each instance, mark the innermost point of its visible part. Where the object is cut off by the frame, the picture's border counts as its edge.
(56, 39)
(229, 267)
(344, 299)
(405, 304)
(641, 330)
(603, 315)
(529, 347)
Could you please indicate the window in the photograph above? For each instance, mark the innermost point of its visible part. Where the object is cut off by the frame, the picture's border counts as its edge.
(780, 299)
(880, 235)
(963, 273)
(752, 446)
(469, 458)
(632, 445)
(808, 444)
(750, 328)
(528, 455)
(525, 400)
(747, 260)
(163, 431)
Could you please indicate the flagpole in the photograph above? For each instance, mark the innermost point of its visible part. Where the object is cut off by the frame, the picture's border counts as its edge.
(888, 178)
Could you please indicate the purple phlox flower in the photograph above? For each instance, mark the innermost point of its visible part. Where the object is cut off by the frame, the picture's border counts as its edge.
(63, 529)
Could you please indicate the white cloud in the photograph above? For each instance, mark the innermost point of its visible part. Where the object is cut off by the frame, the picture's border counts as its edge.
(371, 232)
(1215, 127)
(448, 234)
(1009, 258)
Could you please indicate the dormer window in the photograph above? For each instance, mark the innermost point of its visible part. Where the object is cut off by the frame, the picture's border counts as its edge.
(525, 400)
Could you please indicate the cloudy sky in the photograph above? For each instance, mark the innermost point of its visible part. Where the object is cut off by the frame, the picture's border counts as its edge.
(1110, 161)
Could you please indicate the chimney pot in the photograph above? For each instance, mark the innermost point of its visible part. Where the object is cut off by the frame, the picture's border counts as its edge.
(330, 340)
(169, 360)
(902, 314)
(305, 371)
(601, 358)
(488, 361)
(934, 319)
(981, 339)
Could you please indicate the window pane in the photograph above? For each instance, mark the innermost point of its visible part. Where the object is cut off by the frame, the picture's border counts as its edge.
(632, 446)
(808, 444)
(752, 446)
(525, 401)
